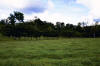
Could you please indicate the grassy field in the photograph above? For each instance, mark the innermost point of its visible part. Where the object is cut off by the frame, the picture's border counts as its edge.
(57, 52)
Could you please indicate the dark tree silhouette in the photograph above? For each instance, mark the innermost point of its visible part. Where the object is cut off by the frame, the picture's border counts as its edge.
(14, 26)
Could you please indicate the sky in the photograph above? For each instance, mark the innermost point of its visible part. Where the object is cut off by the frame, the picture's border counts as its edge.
(67, 11)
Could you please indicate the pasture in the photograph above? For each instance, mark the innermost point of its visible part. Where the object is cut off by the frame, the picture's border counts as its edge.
(52, 52)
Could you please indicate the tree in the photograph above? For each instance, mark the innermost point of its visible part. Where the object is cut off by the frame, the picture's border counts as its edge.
(19, 16)
(12, 19)
(2, 24)
(37, 27)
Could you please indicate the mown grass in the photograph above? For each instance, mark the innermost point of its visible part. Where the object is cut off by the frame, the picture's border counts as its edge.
(56, 52)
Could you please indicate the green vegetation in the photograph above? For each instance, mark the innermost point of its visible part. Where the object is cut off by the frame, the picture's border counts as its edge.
(39, 43)
(56, 52)
(15, 26)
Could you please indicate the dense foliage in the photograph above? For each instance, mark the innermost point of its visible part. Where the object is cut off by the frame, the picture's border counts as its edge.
(15, 26)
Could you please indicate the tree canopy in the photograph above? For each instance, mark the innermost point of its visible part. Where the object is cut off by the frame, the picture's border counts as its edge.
(36, 28)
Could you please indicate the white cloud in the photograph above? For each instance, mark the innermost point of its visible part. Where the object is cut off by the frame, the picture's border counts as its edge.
(12, 3)
(20, 3)
(50, 4)
(55, 17)
(8, 6)
(93, 5)
(25, 6)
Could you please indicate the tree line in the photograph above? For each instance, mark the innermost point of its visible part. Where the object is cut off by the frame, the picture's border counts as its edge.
(15, 26)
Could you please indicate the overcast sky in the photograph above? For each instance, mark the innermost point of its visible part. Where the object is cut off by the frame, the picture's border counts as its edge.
(68, 11)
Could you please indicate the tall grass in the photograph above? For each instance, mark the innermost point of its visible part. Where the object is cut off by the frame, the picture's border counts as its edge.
(58, 52)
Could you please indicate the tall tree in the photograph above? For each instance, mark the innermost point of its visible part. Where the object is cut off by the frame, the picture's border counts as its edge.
(12, 19)
(19, 16)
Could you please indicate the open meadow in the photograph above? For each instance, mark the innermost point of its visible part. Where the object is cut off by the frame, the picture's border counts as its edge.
(52, 52)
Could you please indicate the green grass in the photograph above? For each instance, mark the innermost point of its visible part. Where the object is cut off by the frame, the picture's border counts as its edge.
(56, 52)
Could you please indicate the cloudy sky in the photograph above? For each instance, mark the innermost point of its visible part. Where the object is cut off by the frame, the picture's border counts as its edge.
(68, 11)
